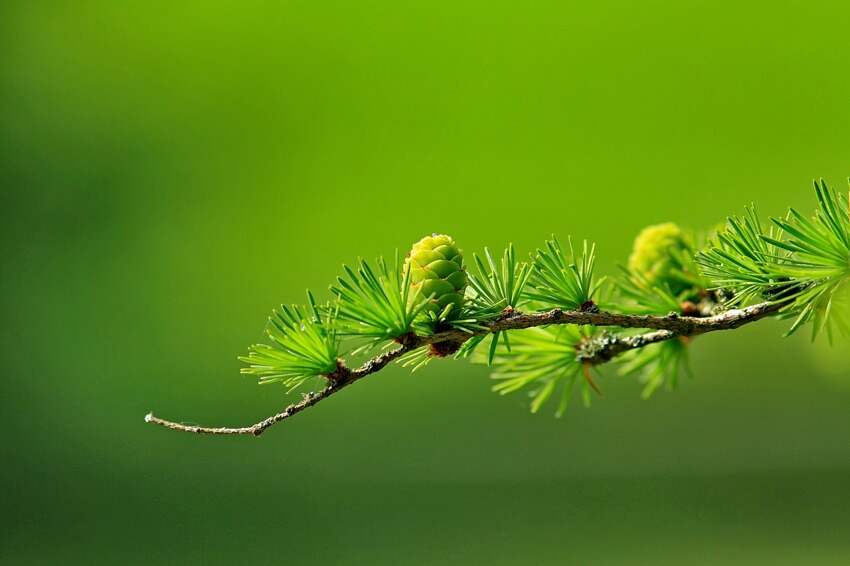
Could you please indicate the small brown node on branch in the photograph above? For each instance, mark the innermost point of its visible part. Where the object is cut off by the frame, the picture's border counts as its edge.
(340, 374)
(444, 349)
(406, 339)
(589, 306)
(689, 308)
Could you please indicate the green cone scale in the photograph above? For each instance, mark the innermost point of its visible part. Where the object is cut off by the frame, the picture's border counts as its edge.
(436, 271)
(656, 255)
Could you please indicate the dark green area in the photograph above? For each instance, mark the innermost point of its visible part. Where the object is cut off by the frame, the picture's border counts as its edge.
(170, 173)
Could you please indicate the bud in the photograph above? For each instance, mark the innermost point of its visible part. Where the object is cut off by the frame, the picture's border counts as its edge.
(657, 254)
(436, 268)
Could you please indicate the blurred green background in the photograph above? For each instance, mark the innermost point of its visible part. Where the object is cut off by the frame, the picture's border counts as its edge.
(172, 171)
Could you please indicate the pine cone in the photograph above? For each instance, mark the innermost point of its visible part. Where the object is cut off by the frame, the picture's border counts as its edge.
(436, 267)
(652, 258)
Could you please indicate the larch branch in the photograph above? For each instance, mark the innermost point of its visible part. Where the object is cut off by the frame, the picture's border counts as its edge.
(604, 350)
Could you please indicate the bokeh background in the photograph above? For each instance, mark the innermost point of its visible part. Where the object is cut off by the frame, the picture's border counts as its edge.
(171, 171)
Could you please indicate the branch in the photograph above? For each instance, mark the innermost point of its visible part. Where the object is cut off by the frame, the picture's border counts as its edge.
(600, 351)
(675, 323)
(604, 348)
(342, 378)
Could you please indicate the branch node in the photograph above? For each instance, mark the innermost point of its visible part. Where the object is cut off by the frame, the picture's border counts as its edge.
(589, 306)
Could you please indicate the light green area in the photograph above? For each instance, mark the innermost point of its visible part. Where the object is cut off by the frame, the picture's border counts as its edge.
(173, 171)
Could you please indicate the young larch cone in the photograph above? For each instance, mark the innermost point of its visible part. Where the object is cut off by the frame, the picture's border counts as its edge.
(436, 271)
(654, 255)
